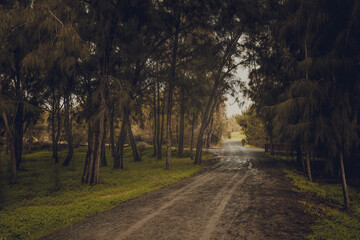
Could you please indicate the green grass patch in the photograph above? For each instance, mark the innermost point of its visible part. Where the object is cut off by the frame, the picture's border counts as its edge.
(49, 196)
(333, 223)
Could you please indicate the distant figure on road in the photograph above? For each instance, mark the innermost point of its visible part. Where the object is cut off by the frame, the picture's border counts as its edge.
(243, 142)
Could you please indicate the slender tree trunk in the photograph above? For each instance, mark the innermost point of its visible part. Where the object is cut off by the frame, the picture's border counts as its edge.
(168, 165)
(182, 124)
(308, 169)
(96, 131)
(199, 146)
(155, 124)
(192, 135)
(158, 143)
(103, 152)
(19, 117)
(136, 156)
(68, 130)
(209, 134)
(54, 138)
(91, 170)
(112, 131)
(19, 132)
(162, 124)
(11, 144)
(343, 181)
(119, 154)
(204, 123)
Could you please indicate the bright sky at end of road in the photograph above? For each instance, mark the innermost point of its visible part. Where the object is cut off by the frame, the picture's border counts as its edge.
(232, 107)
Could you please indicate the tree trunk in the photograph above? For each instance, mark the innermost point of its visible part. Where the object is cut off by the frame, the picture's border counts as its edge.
(158, 143)
(19, 132)
(91, 170)
(182, 124)
(119, 154)
(162, 126)
(155, 124)
(192, 135)
(308, 170)
(344, 185)
(19, 117)
(54, 137)
(209, 134)
(136, 156)
(204, 123)
(11, 144)
(68, 130)
(103, 152)
(199, 145)
(96, 132)
(168, 165)
(112, 131)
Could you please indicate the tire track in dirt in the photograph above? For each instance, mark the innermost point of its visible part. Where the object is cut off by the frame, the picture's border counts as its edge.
(223, 196)
(174, 197)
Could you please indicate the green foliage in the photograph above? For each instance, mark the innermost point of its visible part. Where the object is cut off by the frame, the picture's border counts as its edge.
(49, 196)
(332, 223)
(252, 125)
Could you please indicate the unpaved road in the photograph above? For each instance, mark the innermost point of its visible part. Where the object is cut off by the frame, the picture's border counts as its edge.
(243, 195)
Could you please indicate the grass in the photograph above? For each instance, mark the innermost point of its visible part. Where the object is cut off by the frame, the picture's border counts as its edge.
(332, 222)
(49, 196)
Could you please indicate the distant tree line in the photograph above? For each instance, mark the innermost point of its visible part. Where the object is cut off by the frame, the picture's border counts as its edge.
(102, 63)
(304, 80)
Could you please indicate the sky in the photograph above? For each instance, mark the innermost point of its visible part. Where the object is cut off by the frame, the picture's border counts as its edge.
(232, 107)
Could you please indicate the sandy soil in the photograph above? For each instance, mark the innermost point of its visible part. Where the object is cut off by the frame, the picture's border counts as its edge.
(241, 195)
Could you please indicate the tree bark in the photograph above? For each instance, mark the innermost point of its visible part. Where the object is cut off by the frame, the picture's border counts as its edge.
(182, 124)
(68, 130)
(103, 152)
(55, 137)
(112, 131)
(11, 144)
(162, 126)
(158, 142)
(155, 123)
(92, 162)
(204, 123)
(119, 154)
(343, 182)
(192, 135)
(19, 118)
(19, 132)
(136, 156)
(209, 134)
(168, 165)
(308, 169)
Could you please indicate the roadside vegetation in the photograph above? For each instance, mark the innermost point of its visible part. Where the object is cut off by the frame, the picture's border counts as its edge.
(48, 197)
(325, 202)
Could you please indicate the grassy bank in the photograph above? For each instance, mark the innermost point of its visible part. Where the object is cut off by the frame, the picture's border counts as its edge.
(49, 196)
(332, 222)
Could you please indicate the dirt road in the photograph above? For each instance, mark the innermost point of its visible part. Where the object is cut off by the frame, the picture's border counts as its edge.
(243, 195)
